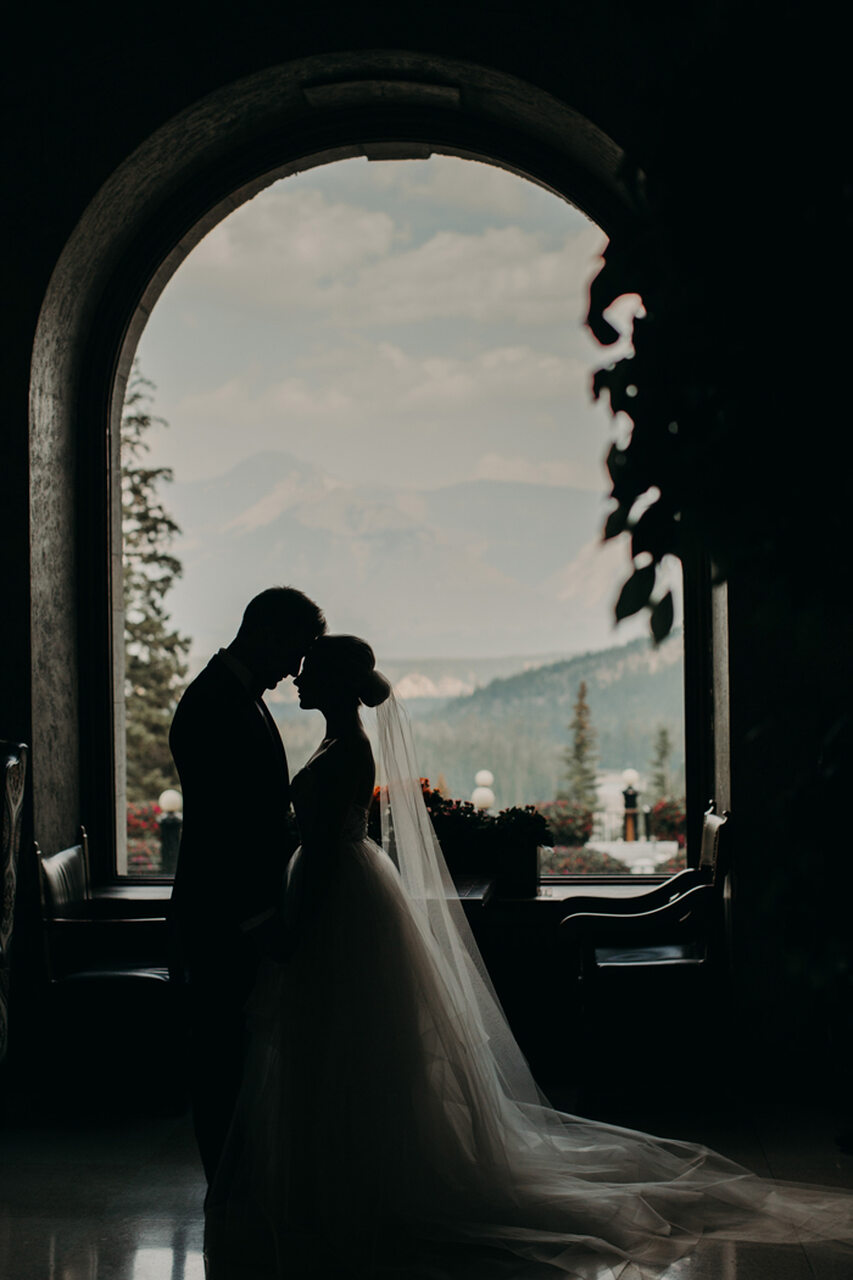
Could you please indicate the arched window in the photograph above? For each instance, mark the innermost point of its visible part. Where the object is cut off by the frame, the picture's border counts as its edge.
(376, 379)
(150, 214)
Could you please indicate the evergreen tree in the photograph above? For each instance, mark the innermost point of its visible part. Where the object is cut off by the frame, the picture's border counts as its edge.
(659, 782)
(581, 756)
(155, 653)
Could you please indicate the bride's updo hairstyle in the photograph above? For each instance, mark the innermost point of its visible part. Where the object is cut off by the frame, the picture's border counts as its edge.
(350, 665)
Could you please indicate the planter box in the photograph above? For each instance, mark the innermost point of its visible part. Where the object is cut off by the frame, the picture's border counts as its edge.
(503, 848)
(512, 864)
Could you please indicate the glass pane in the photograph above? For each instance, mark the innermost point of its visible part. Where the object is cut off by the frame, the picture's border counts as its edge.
(620, 808)
(154, 657)
(377, 383)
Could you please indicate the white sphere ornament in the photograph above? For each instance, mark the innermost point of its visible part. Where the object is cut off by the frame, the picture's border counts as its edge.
(630, 777)
(484, 778)
(171, 801)
(482, 798)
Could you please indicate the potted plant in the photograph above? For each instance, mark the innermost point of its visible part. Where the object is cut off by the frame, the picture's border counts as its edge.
(504, 845)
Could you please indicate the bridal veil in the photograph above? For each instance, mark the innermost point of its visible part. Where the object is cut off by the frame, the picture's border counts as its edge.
(385, 1104)
(576, 1186)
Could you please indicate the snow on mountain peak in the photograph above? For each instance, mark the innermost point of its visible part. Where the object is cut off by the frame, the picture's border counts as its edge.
(292, 491)
(417, 685)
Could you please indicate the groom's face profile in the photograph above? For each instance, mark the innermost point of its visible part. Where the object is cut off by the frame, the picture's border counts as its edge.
(279, 656)
(277, 627)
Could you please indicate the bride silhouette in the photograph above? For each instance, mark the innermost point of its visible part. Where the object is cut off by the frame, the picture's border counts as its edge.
(387, 1117)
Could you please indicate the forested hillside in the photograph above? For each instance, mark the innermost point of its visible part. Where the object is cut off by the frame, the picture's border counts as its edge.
(517, 726)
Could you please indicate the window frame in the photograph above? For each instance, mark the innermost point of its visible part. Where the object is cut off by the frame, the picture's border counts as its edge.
(705, 664)
(106, 284)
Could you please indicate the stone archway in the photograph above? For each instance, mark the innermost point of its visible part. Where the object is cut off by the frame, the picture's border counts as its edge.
(144, 221)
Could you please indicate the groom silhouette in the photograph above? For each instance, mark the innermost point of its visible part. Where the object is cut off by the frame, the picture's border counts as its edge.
(235, 843)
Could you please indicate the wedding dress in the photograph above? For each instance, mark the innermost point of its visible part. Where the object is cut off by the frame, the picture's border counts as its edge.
(386, 1106)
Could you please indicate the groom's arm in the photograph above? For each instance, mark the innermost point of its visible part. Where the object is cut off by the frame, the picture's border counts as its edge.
(230, 816)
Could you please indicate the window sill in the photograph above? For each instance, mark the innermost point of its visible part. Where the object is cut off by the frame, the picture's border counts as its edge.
(555, 894)
(131, 901)
(599, 888)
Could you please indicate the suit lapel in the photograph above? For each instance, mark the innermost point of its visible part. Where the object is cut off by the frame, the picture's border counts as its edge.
(272, 729)
(260, 709)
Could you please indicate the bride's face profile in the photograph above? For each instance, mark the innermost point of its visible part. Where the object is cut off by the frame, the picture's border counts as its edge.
(337, 674)
(310, 685)
(320, 688)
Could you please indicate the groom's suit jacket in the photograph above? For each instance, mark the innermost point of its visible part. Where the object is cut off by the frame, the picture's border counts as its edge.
(236, 837)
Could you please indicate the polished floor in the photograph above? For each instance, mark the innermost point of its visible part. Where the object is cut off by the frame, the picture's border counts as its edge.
(121, 1199)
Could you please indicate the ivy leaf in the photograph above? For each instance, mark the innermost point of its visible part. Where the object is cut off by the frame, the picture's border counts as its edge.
(602, 291)
(617, 522)
(627, 486)
(616, 379)
(600, 380)
(602, 330)
(652, 532)
(615, 462)
(635, 593)
(661, 619)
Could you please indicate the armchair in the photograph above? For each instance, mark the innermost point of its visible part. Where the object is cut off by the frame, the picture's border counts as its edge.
(119, 1011)
(653, 964)
(706, 873)
(674, 922)
(83, 944)
(13, 771)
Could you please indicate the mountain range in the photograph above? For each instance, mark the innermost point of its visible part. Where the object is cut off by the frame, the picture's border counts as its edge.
(482, 567)
(517, 726)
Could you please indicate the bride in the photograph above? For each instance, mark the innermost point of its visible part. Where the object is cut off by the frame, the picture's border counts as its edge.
(387, 1117)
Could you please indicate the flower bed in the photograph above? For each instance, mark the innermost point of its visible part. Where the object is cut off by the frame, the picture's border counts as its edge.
(672, 865)
(668, 821)
(570, 824)
(143, 838)
(578, 861)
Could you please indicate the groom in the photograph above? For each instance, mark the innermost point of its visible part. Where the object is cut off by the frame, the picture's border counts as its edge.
(235, 842)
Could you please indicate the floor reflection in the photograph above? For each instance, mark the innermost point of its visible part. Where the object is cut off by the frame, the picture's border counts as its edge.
(57, 1256)
(124, 1202)
(168, 1264)
(126, 1250)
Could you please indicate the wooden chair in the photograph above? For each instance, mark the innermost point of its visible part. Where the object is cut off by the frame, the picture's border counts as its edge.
(13, 772)
(708, 872)
(82, 942)
(120, 1012)
(655, 962)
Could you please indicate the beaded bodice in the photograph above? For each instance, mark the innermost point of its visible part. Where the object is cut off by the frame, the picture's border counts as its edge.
(306, 803)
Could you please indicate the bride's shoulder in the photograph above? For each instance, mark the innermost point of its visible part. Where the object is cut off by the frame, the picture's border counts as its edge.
(353, 746)
(336, 752)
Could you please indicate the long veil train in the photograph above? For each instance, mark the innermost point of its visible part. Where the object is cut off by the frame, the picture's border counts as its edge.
(562, 1189)
(386, 1111)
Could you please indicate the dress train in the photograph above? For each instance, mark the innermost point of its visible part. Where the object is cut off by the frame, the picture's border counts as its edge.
(387, 1119)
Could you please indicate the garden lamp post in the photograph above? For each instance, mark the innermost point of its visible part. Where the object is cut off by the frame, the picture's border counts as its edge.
(171, 821)
(483, 797)
(631, 831)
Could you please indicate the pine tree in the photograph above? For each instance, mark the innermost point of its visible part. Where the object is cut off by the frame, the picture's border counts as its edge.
(581, 756)
(659, 774)
(155, 653)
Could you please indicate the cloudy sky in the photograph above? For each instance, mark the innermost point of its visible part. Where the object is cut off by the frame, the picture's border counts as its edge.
(418, 319)
(411, 324)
